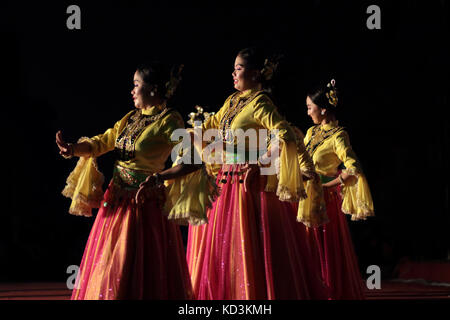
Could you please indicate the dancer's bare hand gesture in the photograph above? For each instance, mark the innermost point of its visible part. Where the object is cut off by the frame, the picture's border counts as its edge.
(145, 189)
(65, 149)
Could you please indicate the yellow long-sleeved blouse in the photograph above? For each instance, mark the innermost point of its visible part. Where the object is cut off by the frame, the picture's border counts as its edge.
(152, 146)
(328, 154)
(312, 209)
(261, 113)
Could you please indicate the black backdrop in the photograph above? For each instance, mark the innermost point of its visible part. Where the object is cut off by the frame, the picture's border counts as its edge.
(394, 85)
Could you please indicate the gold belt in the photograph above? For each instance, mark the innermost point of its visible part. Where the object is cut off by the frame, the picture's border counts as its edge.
(130, 178)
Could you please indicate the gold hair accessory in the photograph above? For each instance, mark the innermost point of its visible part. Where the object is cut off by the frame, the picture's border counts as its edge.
(270, 66)
(200, 115)
(331, 95)
(175, 78)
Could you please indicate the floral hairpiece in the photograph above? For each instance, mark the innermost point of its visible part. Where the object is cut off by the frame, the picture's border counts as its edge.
(175, 78)
(331, 95)
(200, 115)
(270, 66)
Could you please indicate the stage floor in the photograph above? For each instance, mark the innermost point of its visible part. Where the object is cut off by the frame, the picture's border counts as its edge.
(390, 290)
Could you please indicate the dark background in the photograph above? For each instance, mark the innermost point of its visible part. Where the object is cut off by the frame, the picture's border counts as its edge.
(393, 81)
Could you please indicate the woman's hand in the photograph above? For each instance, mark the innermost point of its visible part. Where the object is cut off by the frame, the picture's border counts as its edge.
(145, 189)
(65, 149)
(251, 171)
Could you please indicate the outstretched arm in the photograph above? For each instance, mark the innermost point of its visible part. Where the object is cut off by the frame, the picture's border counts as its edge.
(68, 150)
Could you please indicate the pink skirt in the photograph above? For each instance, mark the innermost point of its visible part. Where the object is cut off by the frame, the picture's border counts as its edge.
(252, 248)
(133, 253)
(339, 264)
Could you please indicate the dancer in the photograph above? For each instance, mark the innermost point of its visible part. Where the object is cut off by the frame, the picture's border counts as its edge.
(252, 247)
(134, 250)
(345, 191)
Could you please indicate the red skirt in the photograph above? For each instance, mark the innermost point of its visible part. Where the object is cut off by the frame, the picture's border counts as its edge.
(132, 253)
(252, 248)
(339, 264)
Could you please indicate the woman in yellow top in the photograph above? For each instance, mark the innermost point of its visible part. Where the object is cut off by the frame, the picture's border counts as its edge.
(134, 251)
(252, 246)
(345, 191)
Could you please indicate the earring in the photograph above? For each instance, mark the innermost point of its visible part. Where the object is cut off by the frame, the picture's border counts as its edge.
(323, 112)
(152, 93)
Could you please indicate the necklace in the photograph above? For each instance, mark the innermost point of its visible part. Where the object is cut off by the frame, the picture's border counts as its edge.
(318, 136)
(137, 122)
(232, 111)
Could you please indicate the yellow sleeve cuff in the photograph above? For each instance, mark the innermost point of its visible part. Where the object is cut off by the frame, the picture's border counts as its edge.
(84, 187)
(357, 198)
(189, 197)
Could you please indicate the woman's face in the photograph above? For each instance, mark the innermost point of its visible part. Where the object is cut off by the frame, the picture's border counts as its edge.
(243, 78)
(139, 93)
(314, 111)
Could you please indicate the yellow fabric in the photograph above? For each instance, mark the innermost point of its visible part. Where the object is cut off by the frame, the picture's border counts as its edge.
(152, 148)
(357, 198)
(261, 113)
(84, 187)
(102, 143)
(214, 121)
(311, 210)
(290, 182)
(189, 197)
(211, 167)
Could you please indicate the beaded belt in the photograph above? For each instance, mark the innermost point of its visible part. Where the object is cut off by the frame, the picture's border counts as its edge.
(129, 178)
(124, 185)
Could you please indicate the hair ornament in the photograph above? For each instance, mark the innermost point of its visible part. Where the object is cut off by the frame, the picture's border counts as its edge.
(270, 67)
(175, 78)
(331, 93)
(200, 115)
